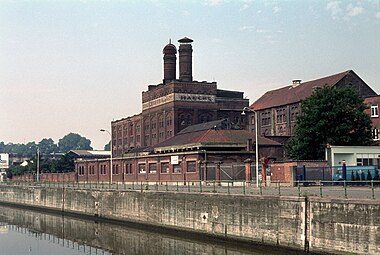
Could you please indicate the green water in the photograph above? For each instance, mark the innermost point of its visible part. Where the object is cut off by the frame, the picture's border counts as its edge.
(31, 232)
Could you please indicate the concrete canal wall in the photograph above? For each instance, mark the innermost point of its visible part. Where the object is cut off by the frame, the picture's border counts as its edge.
(317, 224)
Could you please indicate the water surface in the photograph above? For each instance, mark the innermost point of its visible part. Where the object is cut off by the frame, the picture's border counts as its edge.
(33, 232)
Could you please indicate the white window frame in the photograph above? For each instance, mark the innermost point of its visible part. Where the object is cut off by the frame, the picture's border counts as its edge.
(374, 110)
(375, 134)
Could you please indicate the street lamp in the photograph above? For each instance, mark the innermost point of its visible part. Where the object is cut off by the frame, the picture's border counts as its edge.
(247, 109)
(111, 173)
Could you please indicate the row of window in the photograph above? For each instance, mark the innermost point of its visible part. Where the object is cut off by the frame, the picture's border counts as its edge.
(178, 90)
(191, 166)
(367, 159)
(281, 116)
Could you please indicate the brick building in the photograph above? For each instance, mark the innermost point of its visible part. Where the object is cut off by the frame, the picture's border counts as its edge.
(214, 150)
(174, 104)
(373, 111)
(277, 109)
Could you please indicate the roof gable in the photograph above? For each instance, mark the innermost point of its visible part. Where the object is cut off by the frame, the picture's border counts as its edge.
(296, 93)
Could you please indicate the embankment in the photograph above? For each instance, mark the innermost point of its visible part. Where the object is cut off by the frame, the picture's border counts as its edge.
(317, 224)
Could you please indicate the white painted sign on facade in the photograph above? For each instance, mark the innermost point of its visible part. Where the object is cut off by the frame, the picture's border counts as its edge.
(174, 160)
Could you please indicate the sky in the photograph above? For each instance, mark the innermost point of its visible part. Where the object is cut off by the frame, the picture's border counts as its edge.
(74, 66)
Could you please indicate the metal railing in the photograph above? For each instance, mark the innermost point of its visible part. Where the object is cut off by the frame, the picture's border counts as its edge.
(325, 189)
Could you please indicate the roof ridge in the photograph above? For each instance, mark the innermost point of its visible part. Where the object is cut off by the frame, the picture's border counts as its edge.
(204, 135)
(321, 78)
(291, 94)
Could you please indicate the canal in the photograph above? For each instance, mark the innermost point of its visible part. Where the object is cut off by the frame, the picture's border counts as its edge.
(34, 232)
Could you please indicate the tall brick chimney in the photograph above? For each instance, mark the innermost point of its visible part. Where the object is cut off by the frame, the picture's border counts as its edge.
(185, 59)
(170, 62)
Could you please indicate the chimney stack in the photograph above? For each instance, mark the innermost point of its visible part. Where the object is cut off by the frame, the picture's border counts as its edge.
(170, 62)
(296, 82)
(185, 59)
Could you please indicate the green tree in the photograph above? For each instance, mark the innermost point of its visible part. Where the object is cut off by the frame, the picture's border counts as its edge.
(47, 146)
(2, 147)
(73, 142)
(330, 116)
(65, 164)
(107, 146)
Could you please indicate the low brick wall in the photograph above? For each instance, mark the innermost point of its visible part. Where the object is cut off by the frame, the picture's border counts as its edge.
(47, 177)
(336, 226)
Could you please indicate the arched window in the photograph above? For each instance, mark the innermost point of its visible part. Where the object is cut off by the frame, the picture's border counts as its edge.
(189, 119)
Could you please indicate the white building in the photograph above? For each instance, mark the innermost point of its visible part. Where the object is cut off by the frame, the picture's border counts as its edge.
(4, 164)
(353, 155)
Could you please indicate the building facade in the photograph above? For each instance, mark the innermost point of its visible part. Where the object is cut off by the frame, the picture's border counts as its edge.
(353, 155)
(174, 104)
(373, 111)
(278, 109)
(215, 150)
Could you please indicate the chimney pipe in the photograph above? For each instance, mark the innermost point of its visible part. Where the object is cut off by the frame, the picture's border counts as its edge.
(185, 59)
(296, 82)
(170, 62)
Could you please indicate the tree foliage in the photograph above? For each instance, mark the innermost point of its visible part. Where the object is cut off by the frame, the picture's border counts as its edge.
(330, 116)
(47, 146)
(47, 165)
(28, 149)
(73, 142)
(107, 147)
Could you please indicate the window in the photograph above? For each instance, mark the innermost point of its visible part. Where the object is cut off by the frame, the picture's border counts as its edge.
(374, 110)
(128, 168)
(266, 118)
(142, 168)
(191, 166)
(168, 120)
(177, 168)
(189, 119)
(165, 167)
(152, 168)
(103, 169)
(81, 170)
(91, 170)
(294, 113)
(205, 118)
(375, 134)
(366, 159)
(115, 169)
(182, 119)
(131, 129)
(281, 118)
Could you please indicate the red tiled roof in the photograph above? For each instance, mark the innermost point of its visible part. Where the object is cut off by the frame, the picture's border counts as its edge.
(293, 94)
(215, 137)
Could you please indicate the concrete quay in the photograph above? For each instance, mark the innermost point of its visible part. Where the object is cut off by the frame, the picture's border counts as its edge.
(338, 226)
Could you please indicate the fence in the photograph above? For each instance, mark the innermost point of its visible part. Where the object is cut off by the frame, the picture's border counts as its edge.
(324, 189)
(335, 173)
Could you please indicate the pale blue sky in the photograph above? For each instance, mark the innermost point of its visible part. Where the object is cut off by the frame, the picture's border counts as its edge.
(73, 66)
